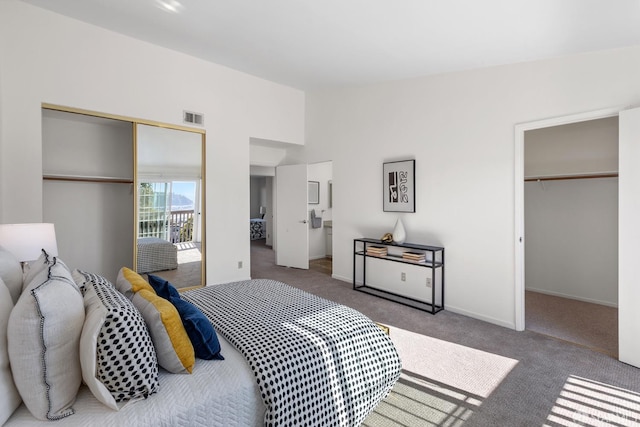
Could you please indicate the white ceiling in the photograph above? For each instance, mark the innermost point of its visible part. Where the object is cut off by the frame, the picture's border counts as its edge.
(310, 44)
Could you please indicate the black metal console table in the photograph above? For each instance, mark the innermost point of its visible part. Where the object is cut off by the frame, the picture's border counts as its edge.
(403, 253)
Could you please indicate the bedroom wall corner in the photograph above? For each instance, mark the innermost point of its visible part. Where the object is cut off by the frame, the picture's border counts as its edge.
(46, 57)
(459, 127)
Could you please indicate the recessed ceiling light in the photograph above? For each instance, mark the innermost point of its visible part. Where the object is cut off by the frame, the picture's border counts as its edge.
(173, 6)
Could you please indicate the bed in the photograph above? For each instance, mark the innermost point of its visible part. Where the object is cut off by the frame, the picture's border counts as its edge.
(180, 401)
(155, 254)
(290, 358)
(257, 228)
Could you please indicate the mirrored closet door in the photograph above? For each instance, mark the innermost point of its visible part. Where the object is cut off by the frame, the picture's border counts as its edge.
(125, 192)
(170, 204)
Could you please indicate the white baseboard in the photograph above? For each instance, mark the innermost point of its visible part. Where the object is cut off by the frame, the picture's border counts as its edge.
(342, 278)
(509, 325)
(560, 294)
(494, 321)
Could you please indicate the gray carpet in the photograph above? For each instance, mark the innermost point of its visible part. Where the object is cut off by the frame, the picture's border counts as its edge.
(462, 371)
(594, 326)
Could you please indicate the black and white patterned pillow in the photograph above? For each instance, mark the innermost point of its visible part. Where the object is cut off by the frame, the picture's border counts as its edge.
(116, 352)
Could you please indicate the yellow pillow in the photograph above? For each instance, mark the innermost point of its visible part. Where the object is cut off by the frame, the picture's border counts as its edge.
(129, 282)
(173, 346)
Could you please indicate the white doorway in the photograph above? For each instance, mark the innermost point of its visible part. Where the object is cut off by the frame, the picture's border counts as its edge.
(571, 229)
(304, 225)
(520, 130)
(629, 207)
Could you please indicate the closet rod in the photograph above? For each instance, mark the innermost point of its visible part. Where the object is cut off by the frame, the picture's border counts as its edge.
(82, 178)
(559, 177)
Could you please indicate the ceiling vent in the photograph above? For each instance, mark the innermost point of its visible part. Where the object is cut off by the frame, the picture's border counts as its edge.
(193, 118)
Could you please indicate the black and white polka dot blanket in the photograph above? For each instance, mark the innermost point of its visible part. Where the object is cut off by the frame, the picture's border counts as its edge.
(317, 363)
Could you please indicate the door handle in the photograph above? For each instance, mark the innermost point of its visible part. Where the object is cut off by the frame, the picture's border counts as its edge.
(304, 221)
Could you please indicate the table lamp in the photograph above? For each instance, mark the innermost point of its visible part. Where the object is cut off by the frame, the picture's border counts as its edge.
(26, 241)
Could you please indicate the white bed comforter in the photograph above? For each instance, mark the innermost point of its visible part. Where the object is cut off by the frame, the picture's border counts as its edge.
(217, 393)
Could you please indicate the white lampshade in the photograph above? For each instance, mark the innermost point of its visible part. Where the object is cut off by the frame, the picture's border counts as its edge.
(26, 241)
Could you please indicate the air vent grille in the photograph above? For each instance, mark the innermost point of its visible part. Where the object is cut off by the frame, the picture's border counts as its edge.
(193, 118)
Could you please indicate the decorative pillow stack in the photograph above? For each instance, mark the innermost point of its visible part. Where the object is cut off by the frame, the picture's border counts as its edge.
(67, 327)
(203, 336)
(173, 346)
(116, 353)
(43, 337)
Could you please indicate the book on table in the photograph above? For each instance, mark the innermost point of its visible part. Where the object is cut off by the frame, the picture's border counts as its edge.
(377, 250)
(414, 256)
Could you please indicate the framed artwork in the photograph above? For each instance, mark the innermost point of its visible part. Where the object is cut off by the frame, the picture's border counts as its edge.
(399, 186)
(314, 192)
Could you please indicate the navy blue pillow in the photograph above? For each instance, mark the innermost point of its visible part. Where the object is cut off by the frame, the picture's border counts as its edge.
(162, 287)
(201, 333)
(199, 329)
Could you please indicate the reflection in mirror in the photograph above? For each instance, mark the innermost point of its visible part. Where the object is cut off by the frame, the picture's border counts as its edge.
(170, 209)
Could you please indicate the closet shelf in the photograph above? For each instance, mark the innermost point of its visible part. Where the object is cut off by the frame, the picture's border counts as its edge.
(572, 176)
(87, 178)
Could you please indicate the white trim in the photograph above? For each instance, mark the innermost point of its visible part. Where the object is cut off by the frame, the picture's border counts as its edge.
(449, 308)
(573, 297)
(520, 129)
(342, 278)
(628, 237)
(477, 316)
(519, 228)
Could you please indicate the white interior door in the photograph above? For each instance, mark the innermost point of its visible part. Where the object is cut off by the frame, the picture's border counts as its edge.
(629, 237)
(292, 229)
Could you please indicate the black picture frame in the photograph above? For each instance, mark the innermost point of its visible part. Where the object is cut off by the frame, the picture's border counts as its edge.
(314, 192)
(399, 186)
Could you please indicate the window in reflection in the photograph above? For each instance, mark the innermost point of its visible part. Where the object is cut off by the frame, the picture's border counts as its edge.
(169, 220)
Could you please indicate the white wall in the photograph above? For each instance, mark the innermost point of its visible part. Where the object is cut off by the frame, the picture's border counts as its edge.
(571, 226)
(270, 211)
(322, 173)
(266, 156)
(46, 57)
(571, 244)
(460, 129)
(574, 149)
(263, 171)
(89, 211)
(258, 195)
